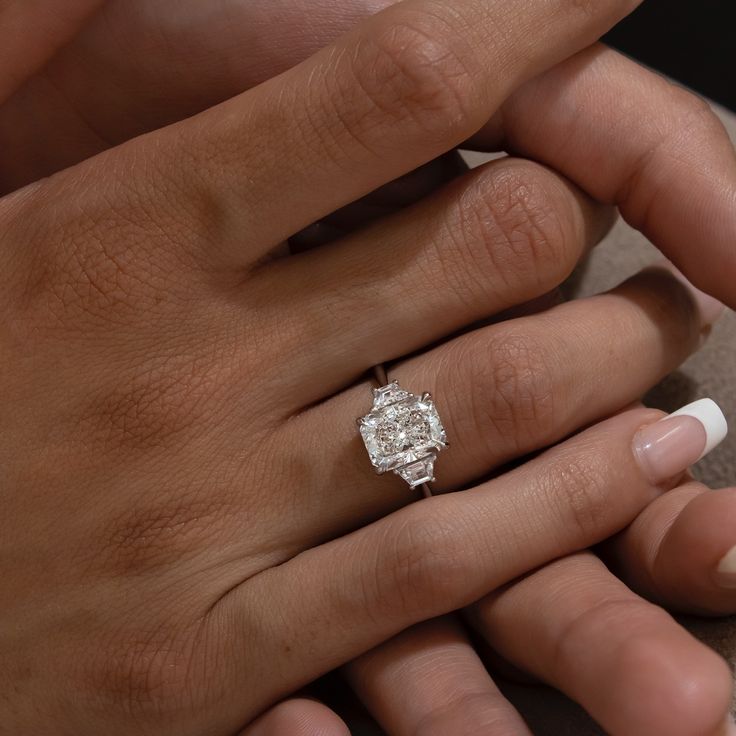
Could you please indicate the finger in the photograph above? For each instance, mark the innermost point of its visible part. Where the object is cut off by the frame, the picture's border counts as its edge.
(629, 137)
(429, 680)
(502, 392)
(628, 663)
(31, 31)
(443, 553)
(678, 551)
(298, 717)
(494, 238)
(405, 86)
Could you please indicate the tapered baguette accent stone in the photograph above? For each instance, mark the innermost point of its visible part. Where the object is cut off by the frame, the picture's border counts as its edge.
(403, 434)
(422, 471)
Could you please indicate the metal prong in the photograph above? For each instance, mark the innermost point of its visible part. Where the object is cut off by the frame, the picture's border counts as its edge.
(379, 373)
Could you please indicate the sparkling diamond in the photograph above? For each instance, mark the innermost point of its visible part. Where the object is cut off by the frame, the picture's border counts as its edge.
(403, 433)
(419, 472)
(388, 395)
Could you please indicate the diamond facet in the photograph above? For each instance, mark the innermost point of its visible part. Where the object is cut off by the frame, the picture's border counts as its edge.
(419, 472)
(403, 433)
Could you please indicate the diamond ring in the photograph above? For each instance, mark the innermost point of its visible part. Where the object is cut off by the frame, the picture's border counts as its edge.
(403, 433)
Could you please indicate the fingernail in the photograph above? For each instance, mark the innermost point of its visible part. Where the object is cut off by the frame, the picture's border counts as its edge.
(709, 308)
(726, 570)
(673, 444)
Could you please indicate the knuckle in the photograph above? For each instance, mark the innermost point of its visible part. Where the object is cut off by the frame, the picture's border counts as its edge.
(420, 563)
(465, 712)
(418, 70)
(696, 115)
(512, 223)
(576, 486)
(513, 390)
(592, 622)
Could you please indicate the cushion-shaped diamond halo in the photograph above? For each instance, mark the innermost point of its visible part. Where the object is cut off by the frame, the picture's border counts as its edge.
(403, 433)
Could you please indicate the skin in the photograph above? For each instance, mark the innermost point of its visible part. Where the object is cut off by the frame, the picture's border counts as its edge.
(97, 273)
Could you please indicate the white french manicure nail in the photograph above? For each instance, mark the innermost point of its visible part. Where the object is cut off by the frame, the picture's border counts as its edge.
(709, 414)
(670, 446)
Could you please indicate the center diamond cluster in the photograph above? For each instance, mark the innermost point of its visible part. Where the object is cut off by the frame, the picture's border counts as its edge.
(403, 433)
(401, 429)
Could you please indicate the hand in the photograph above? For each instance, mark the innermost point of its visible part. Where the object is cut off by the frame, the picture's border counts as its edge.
(95, 306)
(193, 55)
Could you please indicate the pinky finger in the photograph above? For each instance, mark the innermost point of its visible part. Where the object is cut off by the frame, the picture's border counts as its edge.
(429, 680)
(298, 717)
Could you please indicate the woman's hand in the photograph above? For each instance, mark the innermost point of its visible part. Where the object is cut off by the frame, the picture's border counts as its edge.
(143, 64)
(144, 343)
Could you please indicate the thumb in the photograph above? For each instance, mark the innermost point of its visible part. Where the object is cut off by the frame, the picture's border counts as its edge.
(31, 31)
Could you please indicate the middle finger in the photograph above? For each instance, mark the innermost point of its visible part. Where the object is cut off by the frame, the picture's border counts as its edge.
(494, 238)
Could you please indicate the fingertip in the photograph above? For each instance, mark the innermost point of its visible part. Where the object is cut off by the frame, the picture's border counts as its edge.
(298, 717)
(688, 686)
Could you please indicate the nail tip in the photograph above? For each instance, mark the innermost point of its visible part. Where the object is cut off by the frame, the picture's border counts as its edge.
(710, 415)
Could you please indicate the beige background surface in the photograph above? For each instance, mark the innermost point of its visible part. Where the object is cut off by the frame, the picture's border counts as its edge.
(710, 373)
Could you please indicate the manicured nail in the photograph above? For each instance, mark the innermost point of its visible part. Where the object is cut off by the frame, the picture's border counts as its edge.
(709, 308)
(669, 447)
(726, 570)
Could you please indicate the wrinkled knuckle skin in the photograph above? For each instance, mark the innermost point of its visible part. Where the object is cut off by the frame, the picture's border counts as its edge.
(417, 71)
(577, 486)
(696, 117)
(510, 226)
(513, 392)
(591, 623)
(466, 713)
(419, 566)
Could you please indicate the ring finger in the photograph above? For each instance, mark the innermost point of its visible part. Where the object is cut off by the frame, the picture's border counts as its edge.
(503, 391)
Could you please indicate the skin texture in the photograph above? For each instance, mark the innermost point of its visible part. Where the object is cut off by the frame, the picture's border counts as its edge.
(146, 437)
